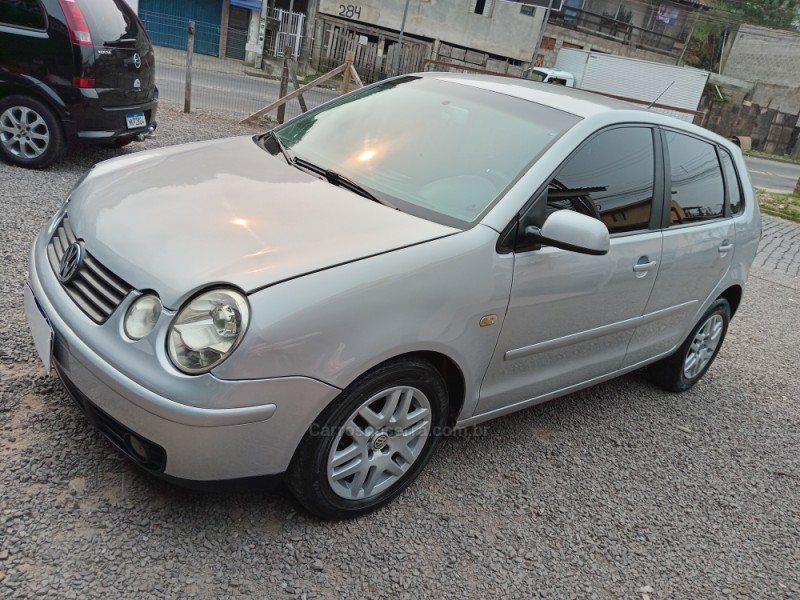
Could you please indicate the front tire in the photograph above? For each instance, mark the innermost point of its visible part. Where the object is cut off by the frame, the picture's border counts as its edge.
(30, 133)
(684, 368)
(372, 442)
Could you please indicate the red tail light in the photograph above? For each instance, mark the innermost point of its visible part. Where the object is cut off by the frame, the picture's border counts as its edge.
(83, 82)
(78, 29)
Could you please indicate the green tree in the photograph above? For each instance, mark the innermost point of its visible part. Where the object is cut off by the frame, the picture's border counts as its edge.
(704, 47)
(782, 14)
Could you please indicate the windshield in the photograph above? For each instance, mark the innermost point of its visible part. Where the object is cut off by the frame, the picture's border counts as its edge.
(438, 149)
(535, 75)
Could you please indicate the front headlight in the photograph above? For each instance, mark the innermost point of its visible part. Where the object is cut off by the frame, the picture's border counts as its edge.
(207, 329)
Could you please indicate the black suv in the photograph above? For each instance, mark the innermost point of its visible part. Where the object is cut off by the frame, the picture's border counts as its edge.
(79, 70)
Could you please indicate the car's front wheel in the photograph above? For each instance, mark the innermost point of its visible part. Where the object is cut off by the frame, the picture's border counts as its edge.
(679, 372)
(370, 444)
(30, 133)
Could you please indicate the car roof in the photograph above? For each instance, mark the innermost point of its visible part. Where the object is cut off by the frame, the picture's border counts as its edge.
(577, 102)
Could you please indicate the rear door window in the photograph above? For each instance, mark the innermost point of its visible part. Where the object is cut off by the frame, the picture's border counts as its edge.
(111, 22)
(698, 191)
(22, 13)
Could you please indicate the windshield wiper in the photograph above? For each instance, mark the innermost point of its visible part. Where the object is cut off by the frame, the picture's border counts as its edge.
(339, 180)
(281, 148)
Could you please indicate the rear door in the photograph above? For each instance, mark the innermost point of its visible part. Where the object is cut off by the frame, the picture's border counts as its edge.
(28, 50)
(124, 63)
(699, 237)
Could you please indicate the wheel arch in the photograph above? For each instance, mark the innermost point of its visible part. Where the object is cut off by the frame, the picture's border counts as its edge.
(43, 94)
(453, 378)
(448, 368)
(734, 297)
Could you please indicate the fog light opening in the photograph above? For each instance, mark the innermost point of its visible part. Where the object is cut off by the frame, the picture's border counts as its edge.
(137, 448)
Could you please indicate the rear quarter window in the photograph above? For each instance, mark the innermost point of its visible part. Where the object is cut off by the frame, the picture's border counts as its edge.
(735, 196)
(22, 13)
(698, 189)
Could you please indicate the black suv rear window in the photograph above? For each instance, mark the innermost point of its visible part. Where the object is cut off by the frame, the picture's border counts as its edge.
(22, 13)
(111, 21)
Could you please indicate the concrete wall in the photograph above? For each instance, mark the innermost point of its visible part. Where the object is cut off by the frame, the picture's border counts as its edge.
(501, 30)
(770, 59)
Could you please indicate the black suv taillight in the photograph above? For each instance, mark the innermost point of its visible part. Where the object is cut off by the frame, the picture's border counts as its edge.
(78, 28)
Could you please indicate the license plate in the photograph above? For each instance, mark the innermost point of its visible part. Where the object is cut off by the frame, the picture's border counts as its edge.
(40, 328)
(135, 120)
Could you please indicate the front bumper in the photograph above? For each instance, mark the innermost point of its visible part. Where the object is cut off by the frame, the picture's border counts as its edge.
(254, 433)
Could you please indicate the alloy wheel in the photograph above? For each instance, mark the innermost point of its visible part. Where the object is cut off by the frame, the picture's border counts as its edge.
(23, 132)
(379, 442)
(703, 346)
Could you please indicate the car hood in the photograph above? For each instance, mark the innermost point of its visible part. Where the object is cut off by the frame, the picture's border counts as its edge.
(182, 218)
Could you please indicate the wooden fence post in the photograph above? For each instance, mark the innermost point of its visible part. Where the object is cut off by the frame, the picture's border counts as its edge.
(349, 58)
(287, 56)
(296, 84)
(187, 93)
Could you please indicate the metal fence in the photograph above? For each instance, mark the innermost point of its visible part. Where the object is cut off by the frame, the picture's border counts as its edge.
(226, 85)
(289, 33)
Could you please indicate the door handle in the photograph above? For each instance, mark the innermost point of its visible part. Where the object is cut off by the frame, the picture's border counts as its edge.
(725, 247)
(640, 267)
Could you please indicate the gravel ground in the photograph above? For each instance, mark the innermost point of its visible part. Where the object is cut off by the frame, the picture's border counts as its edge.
(622, 491)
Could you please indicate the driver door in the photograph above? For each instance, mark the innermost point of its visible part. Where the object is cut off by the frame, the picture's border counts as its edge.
(570, 315)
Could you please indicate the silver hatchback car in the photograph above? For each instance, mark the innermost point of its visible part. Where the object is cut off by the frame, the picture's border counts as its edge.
(323, 301)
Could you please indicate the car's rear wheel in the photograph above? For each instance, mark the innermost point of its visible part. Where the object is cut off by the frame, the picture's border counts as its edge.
(370, 444)
(30, 133)
(680, 371)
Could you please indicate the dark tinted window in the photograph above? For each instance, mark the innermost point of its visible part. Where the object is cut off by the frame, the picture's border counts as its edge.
(110, 21)
(734, 185)
(611, 178)
(698, 193)
(22, 13)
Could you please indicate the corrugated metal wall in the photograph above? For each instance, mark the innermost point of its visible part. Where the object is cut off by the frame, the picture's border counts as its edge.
(643, 80)
(167, 22)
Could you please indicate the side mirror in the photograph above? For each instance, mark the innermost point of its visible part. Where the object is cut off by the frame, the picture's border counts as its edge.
(571, 231)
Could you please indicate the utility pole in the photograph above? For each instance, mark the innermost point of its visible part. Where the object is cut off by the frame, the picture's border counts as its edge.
(262, 34)
(540, 35)
(398, 52)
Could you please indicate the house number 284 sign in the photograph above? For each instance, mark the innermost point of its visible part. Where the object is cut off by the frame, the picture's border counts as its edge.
(350, 11)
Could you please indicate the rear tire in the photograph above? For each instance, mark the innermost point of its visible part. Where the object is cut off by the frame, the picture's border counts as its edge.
(372, 442)
(684, 368)
(30, 133)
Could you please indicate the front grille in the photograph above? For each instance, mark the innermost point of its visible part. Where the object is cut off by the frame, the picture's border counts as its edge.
(95, 289)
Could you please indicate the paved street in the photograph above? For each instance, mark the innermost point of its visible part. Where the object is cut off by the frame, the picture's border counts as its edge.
(622, 491)
(779, 253)
(773, 175)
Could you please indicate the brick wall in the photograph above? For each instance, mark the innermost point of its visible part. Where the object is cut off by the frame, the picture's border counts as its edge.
(770, 130)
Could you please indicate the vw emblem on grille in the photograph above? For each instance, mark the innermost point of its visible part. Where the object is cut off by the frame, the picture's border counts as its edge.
(137, 60)
(70, 262)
